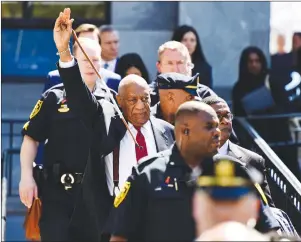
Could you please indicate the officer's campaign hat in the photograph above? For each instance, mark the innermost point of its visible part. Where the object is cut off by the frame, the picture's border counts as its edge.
(226, 178)
(178, 81)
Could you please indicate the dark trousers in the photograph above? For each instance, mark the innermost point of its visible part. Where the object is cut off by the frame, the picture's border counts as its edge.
(57, 218)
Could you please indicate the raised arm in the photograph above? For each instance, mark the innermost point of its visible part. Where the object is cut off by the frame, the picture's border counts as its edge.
(79, 96)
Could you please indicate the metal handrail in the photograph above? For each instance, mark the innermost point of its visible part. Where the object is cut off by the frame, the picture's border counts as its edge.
(3, 207)
(273, 116)
(272, 155)
(7, 166)
(285, 187)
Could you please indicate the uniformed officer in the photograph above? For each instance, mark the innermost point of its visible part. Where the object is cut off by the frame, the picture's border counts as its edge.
(174, 89)
(227, 190)
(70, 140)
(155, 203)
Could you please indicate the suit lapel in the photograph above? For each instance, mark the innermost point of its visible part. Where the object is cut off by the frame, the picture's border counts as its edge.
(233, 151)
(160, 136)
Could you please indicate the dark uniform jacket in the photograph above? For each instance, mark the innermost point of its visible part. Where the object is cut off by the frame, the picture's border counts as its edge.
(156, 202)
(95, 193)
(251, 158)
(70, 136)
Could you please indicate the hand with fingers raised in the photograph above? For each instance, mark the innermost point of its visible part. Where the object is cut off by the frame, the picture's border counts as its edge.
(62, 32)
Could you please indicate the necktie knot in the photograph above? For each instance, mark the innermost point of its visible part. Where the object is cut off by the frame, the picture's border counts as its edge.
(106, 65)
(138, 129)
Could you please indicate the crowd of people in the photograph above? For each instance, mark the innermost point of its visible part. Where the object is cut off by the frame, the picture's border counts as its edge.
(126, 158)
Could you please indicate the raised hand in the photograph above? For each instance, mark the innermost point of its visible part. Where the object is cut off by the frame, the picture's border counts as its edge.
(62, 30)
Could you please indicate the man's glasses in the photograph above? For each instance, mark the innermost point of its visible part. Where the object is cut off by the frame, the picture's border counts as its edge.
(228, 116)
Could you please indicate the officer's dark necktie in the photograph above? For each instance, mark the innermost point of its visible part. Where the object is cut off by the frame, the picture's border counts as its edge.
(106, 65)
(142, 150)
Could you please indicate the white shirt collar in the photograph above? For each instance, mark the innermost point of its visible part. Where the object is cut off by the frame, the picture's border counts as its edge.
(111, 64)
(224, 149)
(196, 172)
(146, 126)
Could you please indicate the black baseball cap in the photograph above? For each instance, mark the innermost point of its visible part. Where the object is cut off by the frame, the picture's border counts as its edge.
(178, 81)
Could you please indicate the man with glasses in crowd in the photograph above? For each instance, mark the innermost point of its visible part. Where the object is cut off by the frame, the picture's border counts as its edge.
(228, 148)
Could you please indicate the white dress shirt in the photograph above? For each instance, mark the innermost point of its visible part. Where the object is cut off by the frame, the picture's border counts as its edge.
(127, 155)
(224, 149)
(111, 64)
(127, 151)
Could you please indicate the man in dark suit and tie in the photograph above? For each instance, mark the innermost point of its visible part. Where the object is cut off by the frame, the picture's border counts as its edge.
(228, 148)
(151, 134)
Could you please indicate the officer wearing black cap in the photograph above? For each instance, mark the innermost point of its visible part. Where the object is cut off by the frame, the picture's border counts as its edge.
(226, 191)
(175, 89)
(201, 91)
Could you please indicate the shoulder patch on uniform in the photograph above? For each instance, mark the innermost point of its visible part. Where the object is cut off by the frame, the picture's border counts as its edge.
(26, 125)
(36, 109)
(121, 196)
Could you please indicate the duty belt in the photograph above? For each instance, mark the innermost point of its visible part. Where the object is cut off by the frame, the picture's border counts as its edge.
(68, 179)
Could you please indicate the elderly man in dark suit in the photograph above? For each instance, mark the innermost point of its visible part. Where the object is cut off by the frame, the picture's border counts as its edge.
(228, 148)
(151, 134)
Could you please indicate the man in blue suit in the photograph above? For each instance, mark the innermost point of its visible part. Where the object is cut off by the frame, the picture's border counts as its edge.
(92, 32)
(109, 47)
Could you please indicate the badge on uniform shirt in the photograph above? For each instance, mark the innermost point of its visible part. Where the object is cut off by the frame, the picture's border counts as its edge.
(64, 107)
(36, 109)
(124, 191)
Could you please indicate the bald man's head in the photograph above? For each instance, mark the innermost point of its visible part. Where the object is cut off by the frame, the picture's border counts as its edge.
(193, 108)
(130, 80)
(196, 130)
(134, 99)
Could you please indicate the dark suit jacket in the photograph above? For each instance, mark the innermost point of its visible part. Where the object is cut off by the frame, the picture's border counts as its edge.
(251, 158)
(94, 202)
(163, 133)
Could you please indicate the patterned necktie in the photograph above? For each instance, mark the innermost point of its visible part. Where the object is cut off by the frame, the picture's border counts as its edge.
(142, 150)
(106, 65)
